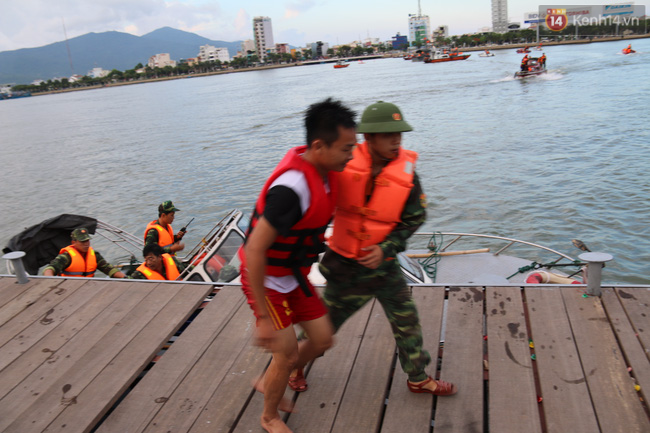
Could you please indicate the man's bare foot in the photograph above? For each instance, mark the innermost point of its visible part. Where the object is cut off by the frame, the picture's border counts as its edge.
(285, 405)
(275, 425)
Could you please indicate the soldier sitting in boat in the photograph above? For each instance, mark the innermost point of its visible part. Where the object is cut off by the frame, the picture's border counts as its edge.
(158, 265)
(160, 231)
(80, 260)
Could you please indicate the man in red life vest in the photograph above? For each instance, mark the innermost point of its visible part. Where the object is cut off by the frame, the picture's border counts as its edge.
(524, 63)
(285, 237)
(381, 206)
(158, 265)
(79, 259)
(160, 231)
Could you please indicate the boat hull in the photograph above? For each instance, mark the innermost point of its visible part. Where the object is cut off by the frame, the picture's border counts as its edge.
(447, 59)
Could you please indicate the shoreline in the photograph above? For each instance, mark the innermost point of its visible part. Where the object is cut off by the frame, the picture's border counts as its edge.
(262, 68)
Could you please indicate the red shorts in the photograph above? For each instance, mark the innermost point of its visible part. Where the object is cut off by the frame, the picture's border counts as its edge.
(286, 309)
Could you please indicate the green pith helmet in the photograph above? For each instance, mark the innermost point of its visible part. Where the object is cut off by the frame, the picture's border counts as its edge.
(382, 117)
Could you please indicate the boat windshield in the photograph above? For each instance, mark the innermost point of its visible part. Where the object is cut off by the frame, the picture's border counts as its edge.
(223, 263)
(411, 266)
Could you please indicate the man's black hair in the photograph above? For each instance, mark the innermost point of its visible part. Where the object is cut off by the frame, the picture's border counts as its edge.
(156, 249)
(322, 120)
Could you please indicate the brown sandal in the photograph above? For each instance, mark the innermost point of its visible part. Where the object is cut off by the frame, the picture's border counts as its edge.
(298, 382)
(443, 388)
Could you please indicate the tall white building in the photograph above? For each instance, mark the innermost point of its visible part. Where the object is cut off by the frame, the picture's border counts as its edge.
(208, 53)
(263, 32)
(419, 28)
(500, 16)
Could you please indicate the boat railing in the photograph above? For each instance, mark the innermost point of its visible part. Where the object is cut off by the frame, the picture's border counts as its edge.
(509, 242)
(120, 237)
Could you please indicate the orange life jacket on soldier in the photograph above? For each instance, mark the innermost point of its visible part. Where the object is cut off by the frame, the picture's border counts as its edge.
(360, 222)
(296, 252)
(170, 270)
(80, 266)
(165, 235)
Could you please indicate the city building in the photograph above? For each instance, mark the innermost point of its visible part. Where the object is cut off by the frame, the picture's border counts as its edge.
(160, 61)
(319, 49)
(248, 47)
(97, 73)
(282, 48)
(400, 41)
(419, 28)
(440, 32)
(500, 16)
(208, 53)
(263, 31)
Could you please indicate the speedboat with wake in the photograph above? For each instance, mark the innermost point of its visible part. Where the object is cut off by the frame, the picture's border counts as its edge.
(534, 67)
(432, 258)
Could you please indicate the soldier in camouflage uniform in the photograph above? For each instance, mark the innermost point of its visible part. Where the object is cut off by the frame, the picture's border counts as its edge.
(80, 241)
(359, 267)
(166, 213)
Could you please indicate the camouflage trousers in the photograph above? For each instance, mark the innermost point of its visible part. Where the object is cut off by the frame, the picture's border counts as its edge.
(350, 286)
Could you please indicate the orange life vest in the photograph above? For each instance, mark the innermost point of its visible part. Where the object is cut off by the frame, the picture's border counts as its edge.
(294, 254)
(165, 235)
(80, 266)
(170, 270)
(359, 223)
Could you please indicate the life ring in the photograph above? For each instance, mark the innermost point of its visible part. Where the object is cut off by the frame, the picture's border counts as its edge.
(544, 277)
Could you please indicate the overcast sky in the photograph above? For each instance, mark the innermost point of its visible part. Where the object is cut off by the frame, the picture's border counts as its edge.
(33, 23)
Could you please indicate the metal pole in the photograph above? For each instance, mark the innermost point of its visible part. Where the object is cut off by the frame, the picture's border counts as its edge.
(595, 263)
(16, 261)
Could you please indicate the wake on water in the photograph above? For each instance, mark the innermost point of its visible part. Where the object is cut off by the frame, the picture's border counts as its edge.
(548, 76)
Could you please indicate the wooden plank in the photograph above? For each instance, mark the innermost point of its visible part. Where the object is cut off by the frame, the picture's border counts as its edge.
(636, 302)
(612, 390)
(10, 288)
(206, 378)
(151, 394)
(27, 298)
(234, 394)
(406, 411)
(630, 344)
(365, 392)
(513, 406)
(462, 363)
(79, 359)
(47, 349)
(327, 377)
(566, 400)
(112, 381)
(20, 333)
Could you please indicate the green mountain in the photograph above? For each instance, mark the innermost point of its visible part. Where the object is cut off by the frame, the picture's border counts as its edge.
(108, 50)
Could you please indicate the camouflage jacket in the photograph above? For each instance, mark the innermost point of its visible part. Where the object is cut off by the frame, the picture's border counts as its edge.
(63, 260)
(137, 275)
(413, 216)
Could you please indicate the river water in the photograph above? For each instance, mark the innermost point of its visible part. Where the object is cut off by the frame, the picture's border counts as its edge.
(546, 159)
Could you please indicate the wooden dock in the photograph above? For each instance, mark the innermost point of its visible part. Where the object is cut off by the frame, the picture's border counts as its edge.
(534, 359)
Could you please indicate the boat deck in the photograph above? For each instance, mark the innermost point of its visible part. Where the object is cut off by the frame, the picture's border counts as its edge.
(534, 359)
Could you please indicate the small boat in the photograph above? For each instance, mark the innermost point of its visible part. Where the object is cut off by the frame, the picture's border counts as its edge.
(539, 47)
(534, 67)
(628, 51)
(438, 58)
(340, 64)
(475, 259)
(486, 54)
(523, 50)
(15, 95)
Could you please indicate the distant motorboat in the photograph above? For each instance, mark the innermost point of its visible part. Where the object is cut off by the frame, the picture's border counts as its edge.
(486, 54)
(341, 64)
(441, 57)
(534, 67)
